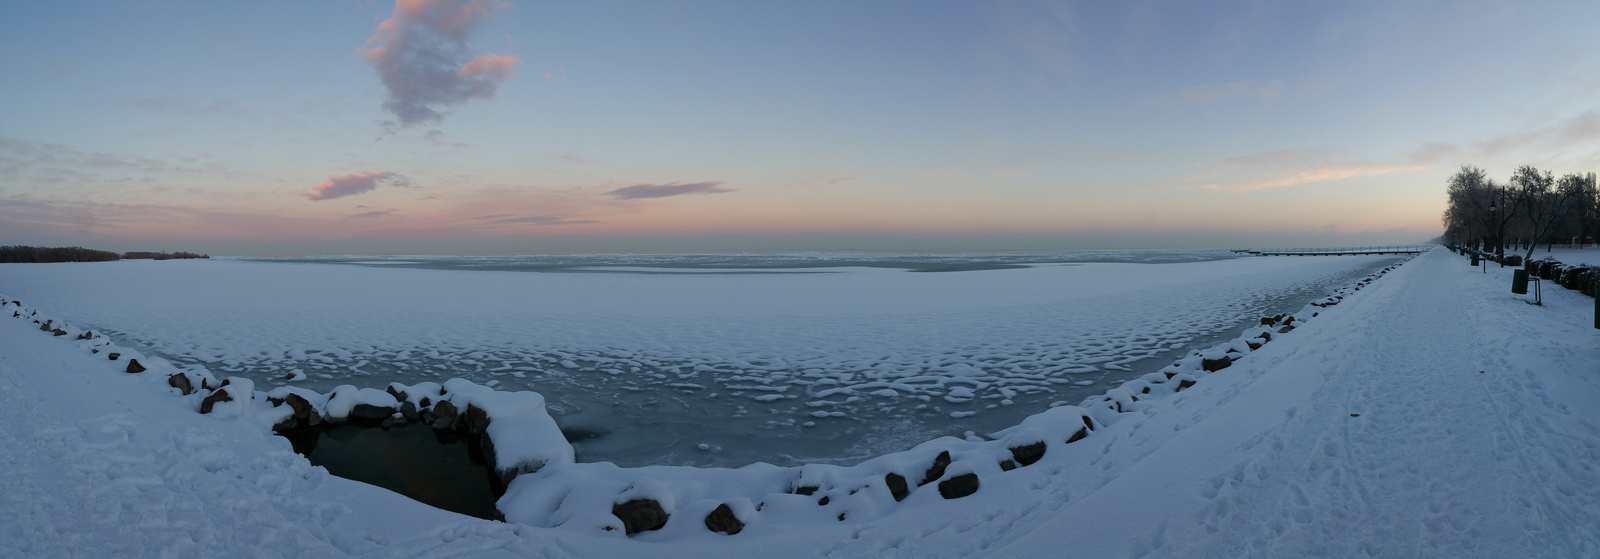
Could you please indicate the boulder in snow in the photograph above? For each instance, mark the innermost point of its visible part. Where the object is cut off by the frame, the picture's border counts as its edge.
(723, 520)
(181, 382)
(959, 486)
(221, 395)
(897, 486)
(134, 366)
(640, 515)
(936, 471)
(1217, 364)
(1026, 455)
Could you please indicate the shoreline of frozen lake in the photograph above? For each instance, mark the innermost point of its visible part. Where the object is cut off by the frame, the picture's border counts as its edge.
(716, 367)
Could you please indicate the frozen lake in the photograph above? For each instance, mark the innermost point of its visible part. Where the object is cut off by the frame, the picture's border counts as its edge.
(702, 359)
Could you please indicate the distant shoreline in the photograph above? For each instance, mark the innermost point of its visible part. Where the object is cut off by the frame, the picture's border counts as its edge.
(48, 255)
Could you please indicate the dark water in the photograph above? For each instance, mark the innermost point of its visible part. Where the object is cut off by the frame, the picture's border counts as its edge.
(440, 468)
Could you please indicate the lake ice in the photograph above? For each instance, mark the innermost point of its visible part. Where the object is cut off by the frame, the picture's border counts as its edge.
(702, 360)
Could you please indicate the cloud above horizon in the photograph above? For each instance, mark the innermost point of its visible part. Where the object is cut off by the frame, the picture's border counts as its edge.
(1248, 173)
(422, 56)
(536, 220)
(353, 184)
(642, 191)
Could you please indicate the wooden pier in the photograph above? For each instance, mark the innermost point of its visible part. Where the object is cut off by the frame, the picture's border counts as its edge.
(1341, 251)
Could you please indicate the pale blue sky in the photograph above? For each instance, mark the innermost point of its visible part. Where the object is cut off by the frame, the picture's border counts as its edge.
(826, 125)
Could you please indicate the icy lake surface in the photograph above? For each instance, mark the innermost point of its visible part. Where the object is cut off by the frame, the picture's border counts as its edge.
(702, 359)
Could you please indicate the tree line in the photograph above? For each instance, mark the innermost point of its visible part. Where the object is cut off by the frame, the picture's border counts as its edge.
(1533, 207)
(27, 254)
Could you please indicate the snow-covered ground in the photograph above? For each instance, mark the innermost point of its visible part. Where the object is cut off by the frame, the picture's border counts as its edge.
(729, 362)
(1432, 413)
(1572, 256)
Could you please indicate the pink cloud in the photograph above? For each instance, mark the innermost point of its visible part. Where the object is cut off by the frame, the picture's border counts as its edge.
(421, 54)
(352, 184)
(1261, 171)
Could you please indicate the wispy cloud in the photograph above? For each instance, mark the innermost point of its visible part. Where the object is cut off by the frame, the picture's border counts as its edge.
(1265, 91)
(422, 56)
(540, 220)
(1542, 140)
(373, 213)
(353, 184)
(1274, 169)
(640, 191)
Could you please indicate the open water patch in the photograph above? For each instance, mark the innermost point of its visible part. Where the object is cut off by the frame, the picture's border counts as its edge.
(443, 468)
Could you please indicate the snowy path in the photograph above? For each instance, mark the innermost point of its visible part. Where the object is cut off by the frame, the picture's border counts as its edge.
(1381, 439)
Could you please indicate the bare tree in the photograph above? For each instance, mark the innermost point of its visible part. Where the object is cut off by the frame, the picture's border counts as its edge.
(1542, 203)
(1467, 216)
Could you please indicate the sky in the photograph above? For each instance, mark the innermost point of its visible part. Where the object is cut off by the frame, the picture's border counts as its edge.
(488, 126)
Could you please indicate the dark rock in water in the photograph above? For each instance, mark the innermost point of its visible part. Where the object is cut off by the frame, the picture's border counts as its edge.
(134, 366)
(477, 420)
(640, 515)
(1214, 365)
(445, 414)
(304, 412)
(370, 412)
(959, 486)
(181, 382)
(806, 490)
(1028, 454)
(219, 396)
(936, 471)
(114, 356)
(723, 520)
(897, 486)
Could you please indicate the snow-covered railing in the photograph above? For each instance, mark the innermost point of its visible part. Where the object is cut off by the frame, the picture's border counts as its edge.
(547, 488)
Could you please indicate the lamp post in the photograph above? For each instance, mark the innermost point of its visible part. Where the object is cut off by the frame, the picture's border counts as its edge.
(1492, 209)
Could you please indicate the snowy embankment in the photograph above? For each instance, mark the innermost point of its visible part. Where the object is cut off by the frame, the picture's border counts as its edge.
(1365, 429)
